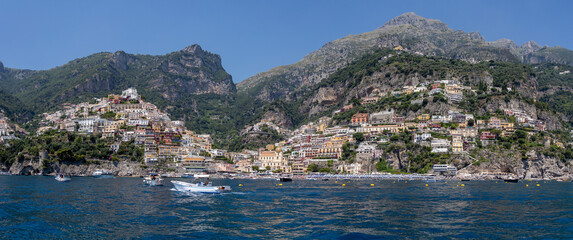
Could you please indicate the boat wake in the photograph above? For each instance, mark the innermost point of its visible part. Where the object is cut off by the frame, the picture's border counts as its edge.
(194, 194)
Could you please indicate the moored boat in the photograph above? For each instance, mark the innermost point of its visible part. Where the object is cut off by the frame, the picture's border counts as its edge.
(511, 180)
(154, 179)
(430, 180)
(285, 179)
(62, 178)
(102, 174)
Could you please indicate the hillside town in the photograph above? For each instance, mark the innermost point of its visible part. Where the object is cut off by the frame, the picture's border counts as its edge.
(8, 130)
(320, 143)
(126, 117)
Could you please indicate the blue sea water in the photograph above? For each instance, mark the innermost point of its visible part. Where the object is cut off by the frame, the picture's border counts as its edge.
(37, 207)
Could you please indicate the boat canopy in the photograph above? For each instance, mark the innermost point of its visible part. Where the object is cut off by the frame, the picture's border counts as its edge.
(201, 176)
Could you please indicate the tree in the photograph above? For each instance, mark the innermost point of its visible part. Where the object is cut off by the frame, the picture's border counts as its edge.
(108, 115)
(471, 123)
(255, 168)
(359, 137)
(355, 102)
(382, 166)
(312, 168)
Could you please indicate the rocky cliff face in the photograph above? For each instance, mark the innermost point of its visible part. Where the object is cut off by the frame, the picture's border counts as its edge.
(278, 117)
(37, 167)
(550, 54)
(534, 165)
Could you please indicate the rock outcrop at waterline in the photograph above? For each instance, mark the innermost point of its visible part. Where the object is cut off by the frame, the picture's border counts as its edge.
(37, 167)
(531, 165)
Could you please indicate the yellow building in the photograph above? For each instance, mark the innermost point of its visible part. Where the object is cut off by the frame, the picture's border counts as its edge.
(244, 166)
(453, 89)
(465, 132)
(193, 162)
(274, 160)
(167, 150)
(424, 117)
(457, 143)
(507, 126)
(393, 128)
(298, 168)
(270, 147)
(321, 127)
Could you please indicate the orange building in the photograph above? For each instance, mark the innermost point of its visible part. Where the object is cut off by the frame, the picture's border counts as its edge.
(360, 118)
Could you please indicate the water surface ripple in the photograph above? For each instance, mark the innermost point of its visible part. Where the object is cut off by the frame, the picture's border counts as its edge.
(87, 208)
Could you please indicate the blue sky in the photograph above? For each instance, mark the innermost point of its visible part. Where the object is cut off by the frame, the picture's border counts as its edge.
(250, 36)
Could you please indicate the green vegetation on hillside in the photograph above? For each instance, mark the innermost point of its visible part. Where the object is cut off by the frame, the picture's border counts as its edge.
(68, 147)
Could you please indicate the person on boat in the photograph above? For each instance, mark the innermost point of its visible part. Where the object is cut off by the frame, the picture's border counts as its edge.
(207, 182)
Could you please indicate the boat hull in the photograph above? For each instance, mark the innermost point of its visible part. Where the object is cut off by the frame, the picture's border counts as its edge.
(511, 180)
(285, 179)
(103, 176)
(153, 182)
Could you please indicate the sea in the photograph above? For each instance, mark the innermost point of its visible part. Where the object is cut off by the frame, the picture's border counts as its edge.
(38, 207)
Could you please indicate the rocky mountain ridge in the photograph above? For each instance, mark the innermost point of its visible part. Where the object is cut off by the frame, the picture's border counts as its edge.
(185, 83)
(410, 31)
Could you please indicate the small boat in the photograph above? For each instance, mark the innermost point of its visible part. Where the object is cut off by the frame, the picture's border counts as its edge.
(187, 175)
(63, 178)
(430, 180)
(202, 185)
(285, 179)
(464, 180)
(154, 179)
(511, 180)
(102, 174)
(325, 179)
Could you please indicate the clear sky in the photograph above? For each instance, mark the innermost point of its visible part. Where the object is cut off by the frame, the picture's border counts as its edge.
(250, 36)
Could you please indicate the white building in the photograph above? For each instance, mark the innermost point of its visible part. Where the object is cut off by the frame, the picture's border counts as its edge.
(130, 93)
(422, 137)
(440, 145)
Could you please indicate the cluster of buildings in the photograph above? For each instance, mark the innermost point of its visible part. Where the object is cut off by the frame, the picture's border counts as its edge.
(8, 130)
(125, 118)
(454, 132)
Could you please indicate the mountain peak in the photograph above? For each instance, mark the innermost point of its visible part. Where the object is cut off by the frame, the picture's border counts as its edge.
(531, 45)
(192, 49)
(412, 19)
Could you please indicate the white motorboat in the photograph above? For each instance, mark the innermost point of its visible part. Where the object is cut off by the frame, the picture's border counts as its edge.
(154, 179)
(201, 186)
(63, 178)
(102, 174)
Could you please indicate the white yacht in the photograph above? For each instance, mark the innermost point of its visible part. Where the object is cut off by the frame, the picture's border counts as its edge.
(201, 185)
(102, 174)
